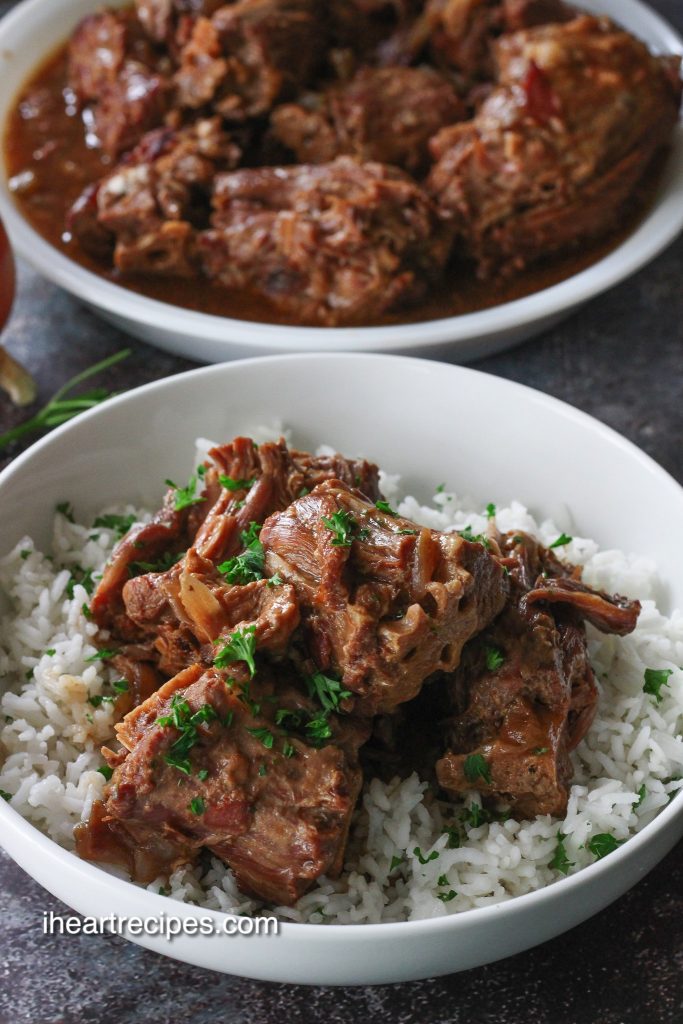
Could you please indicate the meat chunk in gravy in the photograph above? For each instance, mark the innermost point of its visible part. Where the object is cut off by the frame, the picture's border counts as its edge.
(383, 114)
(119, 78)
(248, 54)
(524, 695)
(385, 603)
(209, 764)
(333, 243)
(148, 209)
(554, 152)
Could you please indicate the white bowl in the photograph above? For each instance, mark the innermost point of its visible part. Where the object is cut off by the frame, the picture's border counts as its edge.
(487, 437)
(33, 28)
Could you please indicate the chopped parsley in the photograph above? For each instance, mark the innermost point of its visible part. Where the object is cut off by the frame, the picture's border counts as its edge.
(473, 538)
(231, 484)
(5, 795)
(104, 655)
(119, 524)
(82, 576)
(182, 719)
(454, 837)
(163, 564)
(446, 897)
(120, 685)
(494, 658)
(65, 509)
(417, 852)
(265, 736)
(23, 554)
(395, 861)
(475, 815)
(247, 567)
(385, 507)
(197, 805)
(318, 729)
(105, 770)
(476, 767)
(98, 699)
(561, 541)
(642, 793)
(602, 844)
(287, 749)
(275, 581)
(342, 524)
(442, 880)
(408, 533)
(491, 511)
(560, 861)
(440, 488)
(262, 770)
(50, 652)
(185, 496)
(85, 611)
(328, 691)
(284, 715)
(655, 679)
(540, 750)
(239, 646)
(203, 774)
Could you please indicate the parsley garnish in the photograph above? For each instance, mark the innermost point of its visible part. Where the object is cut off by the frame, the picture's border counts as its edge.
(655, 679)
(417, 852)
(119, 524)
(473, 538)
(65, 509)
(82, 576)
(120, 685)
(642, 793)
(395, 861)
(24, 553)
(247, 567)
(446, 897)
(342, 524)
(328, 691)
(318, 729)
(197, 805)
(476, 767)
(454, 837)
(104, 655)
(474, 816)
(182, 719)
(265, 736)
(540, 750)
(262, 770)
(5, 795)
(560, 861)
(561, 541)
(602, 844)
(385, 507)
(85, 611)
(203, 774)
(163, 564)
(239, 646)
(491, 511)
(275, 581)
(105, 770)
(98, 699)
(494, 658)
(287, 749)
(440, 488)
(231, 484)
(50, 652)
(185, 496)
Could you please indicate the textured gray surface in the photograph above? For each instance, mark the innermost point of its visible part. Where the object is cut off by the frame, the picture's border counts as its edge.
(621, 359)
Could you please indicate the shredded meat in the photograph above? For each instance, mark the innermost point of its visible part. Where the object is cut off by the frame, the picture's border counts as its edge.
(275, 807)
(524, 695)
(385, 603)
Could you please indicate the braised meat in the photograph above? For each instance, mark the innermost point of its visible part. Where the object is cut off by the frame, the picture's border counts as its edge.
(384, 602)
(334, 243)
(171, 21)
(383, 114)
(524, 694)
(238, 770)
(247, 55)
(174, 585)
(120, 80)
(557, 148)
(148, 209)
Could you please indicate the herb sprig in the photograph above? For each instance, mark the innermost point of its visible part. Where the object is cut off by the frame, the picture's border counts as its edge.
(239, 646)
(63, 406)
(247, 567)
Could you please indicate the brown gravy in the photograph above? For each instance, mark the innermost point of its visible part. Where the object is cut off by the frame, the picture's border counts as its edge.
(45, 140)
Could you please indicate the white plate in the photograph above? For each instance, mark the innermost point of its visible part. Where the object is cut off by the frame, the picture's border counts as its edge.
(32, 28)
(486, 437)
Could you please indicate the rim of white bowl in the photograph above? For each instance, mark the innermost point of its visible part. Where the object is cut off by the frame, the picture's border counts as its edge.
(660, 226)
(332, 932)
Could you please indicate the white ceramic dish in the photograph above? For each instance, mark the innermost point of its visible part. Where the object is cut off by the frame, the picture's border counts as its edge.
(34, 27)
(430, 422)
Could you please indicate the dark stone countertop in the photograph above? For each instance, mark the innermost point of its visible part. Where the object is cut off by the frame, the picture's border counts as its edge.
(619, 358)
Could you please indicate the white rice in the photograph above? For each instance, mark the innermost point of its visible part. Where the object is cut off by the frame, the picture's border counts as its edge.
(50, 737)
